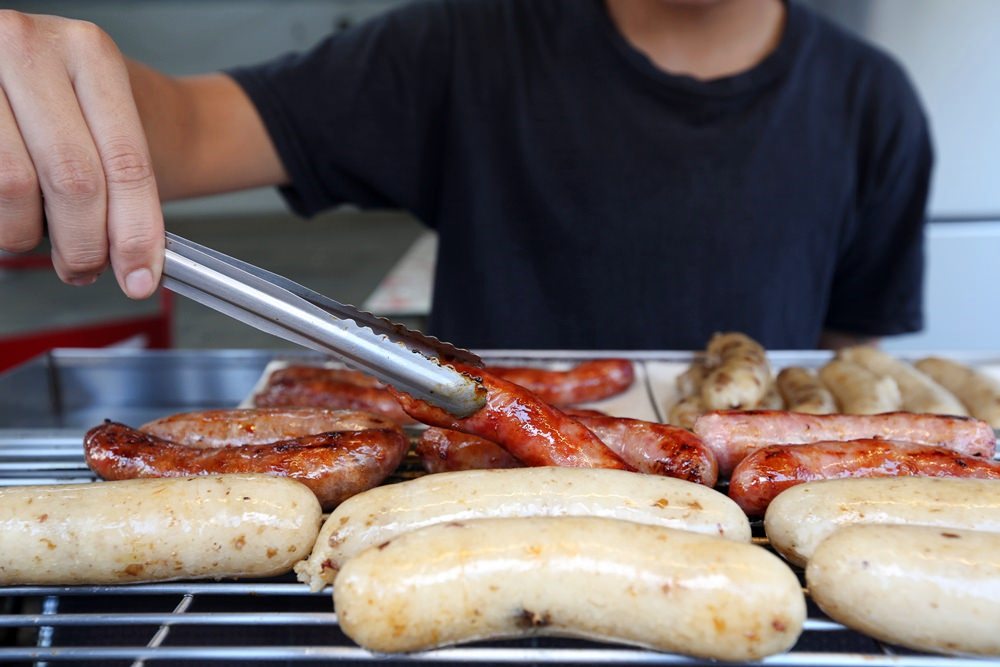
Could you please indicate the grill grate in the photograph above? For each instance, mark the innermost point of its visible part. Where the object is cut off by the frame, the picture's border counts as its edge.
(280, 621)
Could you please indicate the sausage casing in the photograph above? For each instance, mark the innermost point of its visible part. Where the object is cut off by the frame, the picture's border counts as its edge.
(740, 373)
(926, 588)
(803, 516)
(445, 450)
(154, 530)
(733, 435)
(803, 392)
(978, 392)
(919, 392)
(258, 426)
(858, 390)
(536, 433)
(587, 577)
(588, 381)
(375, 516)
(335, 465)
(760, 477)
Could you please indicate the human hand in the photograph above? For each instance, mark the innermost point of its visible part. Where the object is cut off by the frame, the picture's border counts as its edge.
(73, 154)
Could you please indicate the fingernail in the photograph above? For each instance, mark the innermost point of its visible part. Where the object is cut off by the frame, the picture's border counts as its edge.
(139, 283)
(82, 281)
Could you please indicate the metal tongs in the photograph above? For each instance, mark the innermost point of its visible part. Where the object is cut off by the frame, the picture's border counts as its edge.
(408, 360)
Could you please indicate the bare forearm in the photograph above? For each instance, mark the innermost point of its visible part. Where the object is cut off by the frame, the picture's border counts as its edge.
(835, 340)
(204, 135)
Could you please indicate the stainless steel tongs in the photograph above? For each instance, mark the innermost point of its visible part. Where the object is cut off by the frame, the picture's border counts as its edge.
(408, 360)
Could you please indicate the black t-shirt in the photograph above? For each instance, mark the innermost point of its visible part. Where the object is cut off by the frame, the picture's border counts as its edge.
(586, 199)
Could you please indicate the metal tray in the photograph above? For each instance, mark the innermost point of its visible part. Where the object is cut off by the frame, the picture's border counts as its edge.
(49, 403)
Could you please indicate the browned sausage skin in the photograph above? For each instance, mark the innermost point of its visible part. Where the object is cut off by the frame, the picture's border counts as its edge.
(534, 432)
(588, 381)
(445, 450)
(258, 426)
(734, 434)
(334, 465)
(760, 477)
(650, 448)
(338, 388)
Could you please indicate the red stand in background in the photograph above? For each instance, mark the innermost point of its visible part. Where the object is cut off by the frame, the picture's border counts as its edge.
(154, 329)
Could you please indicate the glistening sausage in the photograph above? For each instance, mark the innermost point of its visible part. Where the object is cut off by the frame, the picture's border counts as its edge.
(926, 588)
(445, 450)
(258, 426)
(337, 388)
(334, 465)
(767, 472)
(803, 516)
(536, 433)
(733, 435)
(666, 589)
(154, 530)
(372, 517)
(588, 381)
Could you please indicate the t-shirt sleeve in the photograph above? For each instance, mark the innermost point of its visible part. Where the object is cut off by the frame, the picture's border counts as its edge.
(878, 281)
(360, 117)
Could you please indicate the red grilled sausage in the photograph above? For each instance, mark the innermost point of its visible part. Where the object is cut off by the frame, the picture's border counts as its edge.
(258, 426)
(445, 450)
(655, 449)
(588, 381)
(734, 434)
(769, 471)
(337, 388)
(533, 431)
(334, 465)
(650, 448)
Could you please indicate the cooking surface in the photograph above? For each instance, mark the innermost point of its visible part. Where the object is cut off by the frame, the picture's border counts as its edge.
(49, 403)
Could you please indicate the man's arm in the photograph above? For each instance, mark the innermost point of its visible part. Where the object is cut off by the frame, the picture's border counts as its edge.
(82, 134)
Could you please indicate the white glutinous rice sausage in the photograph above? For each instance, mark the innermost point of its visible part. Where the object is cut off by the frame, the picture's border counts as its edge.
(380, 514)
(922, 587)
(919, 392)
(858, 390)
(803, 516)
(155, 530)
(978, 392)
(604, 579)
(740, 372)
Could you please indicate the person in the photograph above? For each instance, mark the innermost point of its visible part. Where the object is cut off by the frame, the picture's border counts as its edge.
(603, 174)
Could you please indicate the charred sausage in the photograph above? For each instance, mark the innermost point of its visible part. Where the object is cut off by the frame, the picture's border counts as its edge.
(588, 381)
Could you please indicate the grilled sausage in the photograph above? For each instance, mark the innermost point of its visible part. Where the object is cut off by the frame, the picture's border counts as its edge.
(689, 382)
(740, 373)
(258, 426)
(588, 381)
(335, 388)
(922, 587)
(733, 435)
(767, 472)
(595, 578)
(371, 518)
(334, 465)
(655, 449)
(980, 393)
(445, 450)
(858, 390)
(803, 516)
(536, 433)
(919, 392)
(154, 530)
(803, 392)
(685, 412)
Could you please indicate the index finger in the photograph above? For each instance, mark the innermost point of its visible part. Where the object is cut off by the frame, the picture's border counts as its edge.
(135, 218)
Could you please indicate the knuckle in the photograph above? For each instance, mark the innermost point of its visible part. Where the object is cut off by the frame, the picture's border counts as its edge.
(137, 243)
(16, 29)
(91, 38)
(18, 184)
(84, 259)
(73, 175)
(125, 166)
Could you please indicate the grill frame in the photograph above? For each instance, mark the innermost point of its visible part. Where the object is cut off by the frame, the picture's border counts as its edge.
(40, 615)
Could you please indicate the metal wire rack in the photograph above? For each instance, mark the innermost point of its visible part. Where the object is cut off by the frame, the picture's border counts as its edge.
(279, 621)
